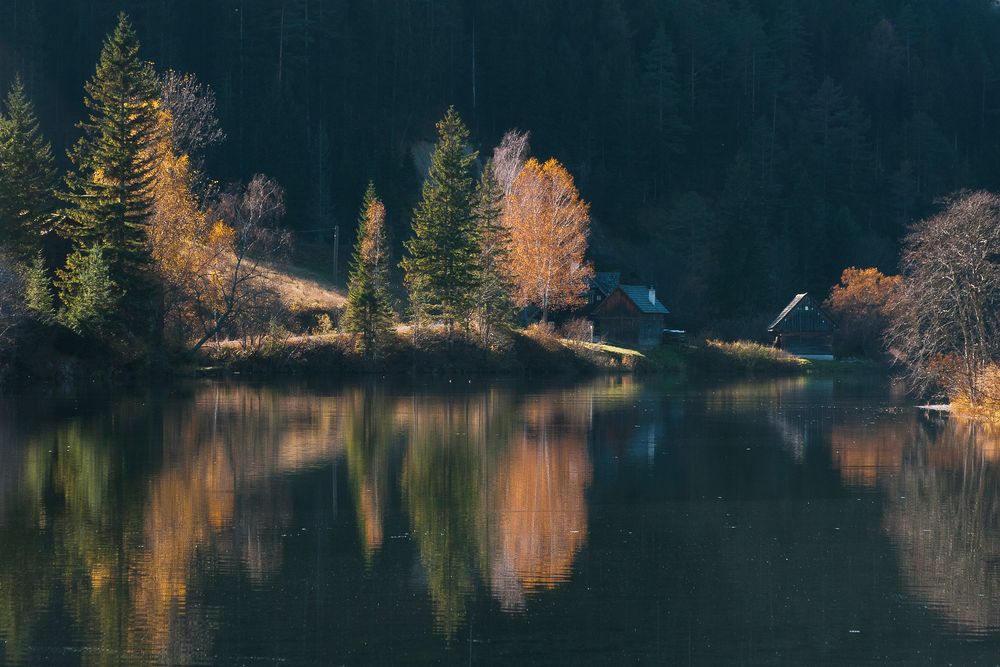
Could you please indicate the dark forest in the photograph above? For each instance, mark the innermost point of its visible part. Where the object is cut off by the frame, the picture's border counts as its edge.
(734, 152)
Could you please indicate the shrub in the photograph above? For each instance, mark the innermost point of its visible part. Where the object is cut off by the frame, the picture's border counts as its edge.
(578, 328)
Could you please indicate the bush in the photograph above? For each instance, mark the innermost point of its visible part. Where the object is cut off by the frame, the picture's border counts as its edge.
(578, 328)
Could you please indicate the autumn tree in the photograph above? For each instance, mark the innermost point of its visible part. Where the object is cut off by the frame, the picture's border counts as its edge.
(509, 157)
(193, 127)
(27, 175)
(240, 296)
(859, 305)
(190, 249)
(110, 191)
(368, 314)
(548, 225)
(945, 315)
(494, 307)
(442, 256)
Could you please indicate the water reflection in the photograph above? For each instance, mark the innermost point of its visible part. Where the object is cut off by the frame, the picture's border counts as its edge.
(941, 484)
(233, 523)
(115, 521)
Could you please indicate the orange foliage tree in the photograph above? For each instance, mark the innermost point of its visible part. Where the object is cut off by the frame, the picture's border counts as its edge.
(859, 302)
(189, 248)
(549, 225)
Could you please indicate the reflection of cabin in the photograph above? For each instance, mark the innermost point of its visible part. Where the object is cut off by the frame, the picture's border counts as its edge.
(631, 315)
(803, 328)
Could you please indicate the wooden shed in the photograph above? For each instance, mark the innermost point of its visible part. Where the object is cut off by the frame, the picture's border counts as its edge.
(803, 328)
(630, 315)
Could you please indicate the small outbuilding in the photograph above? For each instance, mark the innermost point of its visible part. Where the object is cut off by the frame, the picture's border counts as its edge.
(630, 315)
(804, 329)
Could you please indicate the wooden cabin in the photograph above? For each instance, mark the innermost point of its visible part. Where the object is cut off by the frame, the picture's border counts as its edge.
(630, 315)
(601, 286)
(804, 329)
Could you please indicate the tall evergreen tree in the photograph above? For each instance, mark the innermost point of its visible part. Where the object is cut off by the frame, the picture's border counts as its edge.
(368, 314)
(27, 175)
(494, 307)
(110, 191)
(442, 261)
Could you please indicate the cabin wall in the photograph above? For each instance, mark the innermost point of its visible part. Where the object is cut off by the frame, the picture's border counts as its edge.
(806, 343)
(635, 330)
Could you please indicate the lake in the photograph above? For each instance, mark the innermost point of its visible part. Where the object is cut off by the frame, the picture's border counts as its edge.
(794, 521)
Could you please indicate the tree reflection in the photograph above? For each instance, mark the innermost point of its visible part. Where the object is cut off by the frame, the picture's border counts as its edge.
(538, 499)
(943, 515)
(117, 521)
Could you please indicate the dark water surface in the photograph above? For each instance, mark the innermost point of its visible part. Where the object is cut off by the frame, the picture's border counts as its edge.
(609, 522)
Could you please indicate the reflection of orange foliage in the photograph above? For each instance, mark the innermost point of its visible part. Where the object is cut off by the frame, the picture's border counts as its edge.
(230, 443)
(187, 506)
(539, 500)
(370, 516)
(863, 452)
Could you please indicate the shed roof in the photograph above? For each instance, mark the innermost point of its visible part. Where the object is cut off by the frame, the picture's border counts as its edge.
(821, 320)
(639, 295)
(606, 281)
(788, 309)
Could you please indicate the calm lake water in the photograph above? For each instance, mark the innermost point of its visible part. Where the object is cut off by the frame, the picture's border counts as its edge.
(614, 521)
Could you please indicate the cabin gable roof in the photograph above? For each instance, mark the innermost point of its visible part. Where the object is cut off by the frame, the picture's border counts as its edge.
(802, 314)
(636, 298)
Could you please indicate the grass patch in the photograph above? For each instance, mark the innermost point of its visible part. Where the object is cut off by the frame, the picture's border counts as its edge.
(745, 357)
(532, 351)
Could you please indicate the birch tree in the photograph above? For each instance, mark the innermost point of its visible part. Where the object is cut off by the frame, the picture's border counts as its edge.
(549, 225)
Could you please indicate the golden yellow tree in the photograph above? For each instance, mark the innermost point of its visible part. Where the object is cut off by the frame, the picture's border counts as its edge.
(190, 250)
(549, 225)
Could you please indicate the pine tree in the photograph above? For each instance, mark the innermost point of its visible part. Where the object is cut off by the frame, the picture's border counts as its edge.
(494, 307)
(443, 254)
(27, 175)
(368, 315)
(111, 189)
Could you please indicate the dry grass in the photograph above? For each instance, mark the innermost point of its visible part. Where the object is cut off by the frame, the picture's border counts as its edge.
(986, 405)
(749, 357)
(303, 293)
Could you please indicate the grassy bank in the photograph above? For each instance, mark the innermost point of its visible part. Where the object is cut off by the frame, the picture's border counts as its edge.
(526, 352)
(530, 351)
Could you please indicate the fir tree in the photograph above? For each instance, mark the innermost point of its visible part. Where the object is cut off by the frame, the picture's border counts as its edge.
(368, 314)
(27, 175)
(494, 308)
(88, 292)
(111, 189)
(37, 289)
(441, 268)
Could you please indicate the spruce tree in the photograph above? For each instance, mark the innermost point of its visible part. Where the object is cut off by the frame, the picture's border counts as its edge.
(37, 290)
(88, 292)
(110, 191)
(368, 314)
(441, 266)
(27, 175)
(494, 289)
